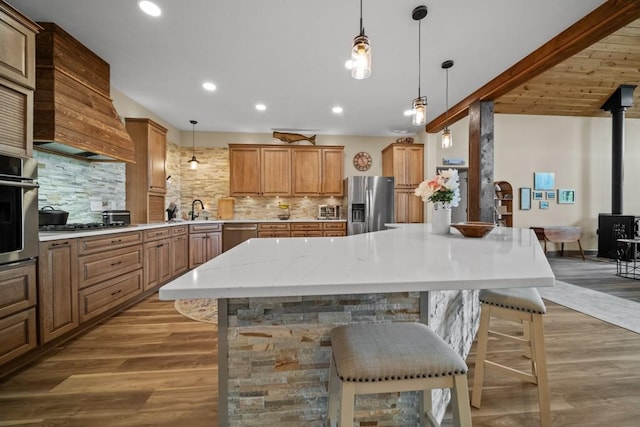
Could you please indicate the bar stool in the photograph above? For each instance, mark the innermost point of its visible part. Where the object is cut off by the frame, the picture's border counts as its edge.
(523, 305)
(394, 357)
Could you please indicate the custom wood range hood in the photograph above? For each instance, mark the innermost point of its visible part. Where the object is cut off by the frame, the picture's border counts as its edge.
(73, 111)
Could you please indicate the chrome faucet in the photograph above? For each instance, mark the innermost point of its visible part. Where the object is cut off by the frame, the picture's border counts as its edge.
(193, 208)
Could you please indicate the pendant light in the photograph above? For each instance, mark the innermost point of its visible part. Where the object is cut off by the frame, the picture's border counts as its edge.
(193, 162)
(361, 54)
(419, 105)
(447, 139)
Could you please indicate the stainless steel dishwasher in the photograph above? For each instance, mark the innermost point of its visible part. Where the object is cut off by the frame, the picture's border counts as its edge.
(234, 234)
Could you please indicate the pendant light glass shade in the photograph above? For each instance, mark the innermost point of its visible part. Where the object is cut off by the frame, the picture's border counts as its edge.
(419, 107)
(447, 141)
(361, 54)
(361, 57)
(193, 163)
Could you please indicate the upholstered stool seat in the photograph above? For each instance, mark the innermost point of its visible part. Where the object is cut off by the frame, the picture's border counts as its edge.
(523, 305)
(394, 357)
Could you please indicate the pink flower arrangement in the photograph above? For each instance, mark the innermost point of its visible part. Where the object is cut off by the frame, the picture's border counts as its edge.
(443, 189)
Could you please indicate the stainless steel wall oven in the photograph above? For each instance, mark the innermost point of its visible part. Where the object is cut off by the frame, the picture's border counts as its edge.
(18, 209)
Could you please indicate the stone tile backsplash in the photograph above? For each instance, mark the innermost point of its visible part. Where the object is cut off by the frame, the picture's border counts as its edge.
(72, 185)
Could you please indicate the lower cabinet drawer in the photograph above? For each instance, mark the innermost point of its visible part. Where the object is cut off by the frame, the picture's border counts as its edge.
(333, 233)
(297, 226)
(99, 267)
(17, 288)
(17, 334)
(99, 298)
(275, 233)
(310, 233)
(334, 226)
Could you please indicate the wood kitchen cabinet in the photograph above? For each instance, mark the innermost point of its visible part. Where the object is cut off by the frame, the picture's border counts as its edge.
(405, 162)
(306, 229)
(146, 183)
(205, 243)
(58, 288)
(110, 272)
(17, 310)
(317, 171)
(157, 257)
(265, 170)
(17, 81)
(179, 250)
(334, 229)
(259, 170)
(271, 229)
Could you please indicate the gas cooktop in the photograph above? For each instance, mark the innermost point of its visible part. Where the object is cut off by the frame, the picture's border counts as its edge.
(80, 227)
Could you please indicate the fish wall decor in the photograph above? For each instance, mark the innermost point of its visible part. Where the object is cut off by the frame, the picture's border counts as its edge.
(293, 137)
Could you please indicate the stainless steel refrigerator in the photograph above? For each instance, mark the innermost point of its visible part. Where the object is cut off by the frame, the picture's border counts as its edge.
(369, 201)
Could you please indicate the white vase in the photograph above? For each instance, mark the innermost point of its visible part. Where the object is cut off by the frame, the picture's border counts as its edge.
(441, 220)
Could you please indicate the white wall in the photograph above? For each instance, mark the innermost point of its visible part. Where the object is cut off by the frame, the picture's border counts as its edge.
(576, 149)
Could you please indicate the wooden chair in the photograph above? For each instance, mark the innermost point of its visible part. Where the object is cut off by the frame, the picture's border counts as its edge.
(523, 305)
(394, 357)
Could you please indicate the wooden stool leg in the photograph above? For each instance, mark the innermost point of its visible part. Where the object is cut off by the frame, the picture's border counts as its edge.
(460, 402)
(581, 251)
(540, 357)
(347, 402)
(481, 355)
(426, 413)
(334, 391)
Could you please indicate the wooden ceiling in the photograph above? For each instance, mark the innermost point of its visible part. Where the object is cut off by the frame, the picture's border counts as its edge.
(571, 75)
(580, 85)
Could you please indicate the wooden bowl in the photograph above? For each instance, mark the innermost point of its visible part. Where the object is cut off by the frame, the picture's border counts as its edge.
(474, 228)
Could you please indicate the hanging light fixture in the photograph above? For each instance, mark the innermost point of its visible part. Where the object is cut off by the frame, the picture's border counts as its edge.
(419, 105)
(193, 162)
(447, 140)
(361, 54)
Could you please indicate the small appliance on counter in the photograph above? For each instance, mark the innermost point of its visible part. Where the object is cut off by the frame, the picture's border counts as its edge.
(284, 212)
(116, 217)
(328, 212)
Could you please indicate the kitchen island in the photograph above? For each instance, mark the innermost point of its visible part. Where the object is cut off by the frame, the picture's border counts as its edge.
(279, 298)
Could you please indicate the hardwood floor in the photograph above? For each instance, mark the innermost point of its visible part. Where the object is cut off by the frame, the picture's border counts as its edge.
(150, 366)
(147, 366)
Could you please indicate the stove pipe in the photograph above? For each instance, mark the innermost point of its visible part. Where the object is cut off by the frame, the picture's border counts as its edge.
(617, 103)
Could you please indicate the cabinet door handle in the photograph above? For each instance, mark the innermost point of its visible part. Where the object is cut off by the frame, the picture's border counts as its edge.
(116, 241)
(160, 245)
(116, 263)
(60, 244)
(116, 292)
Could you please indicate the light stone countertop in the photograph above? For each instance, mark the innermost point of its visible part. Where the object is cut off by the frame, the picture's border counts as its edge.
(45, 236)
(408, 258)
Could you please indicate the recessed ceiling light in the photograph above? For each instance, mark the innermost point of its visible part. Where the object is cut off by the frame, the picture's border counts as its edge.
(209, 86)
(408, 112)
(150, 8)
(337, 110)
(261, 107)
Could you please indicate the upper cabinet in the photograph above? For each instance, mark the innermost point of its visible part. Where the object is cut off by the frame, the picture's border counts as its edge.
(146, 179)
(317, 171)
(17, 81)
(405, 162)
(267, 170)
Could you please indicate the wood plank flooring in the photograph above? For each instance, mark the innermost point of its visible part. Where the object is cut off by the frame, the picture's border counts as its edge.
(150, 366)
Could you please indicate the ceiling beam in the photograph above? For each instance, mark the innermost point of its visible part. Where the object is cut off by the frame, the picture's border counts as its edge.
(603, 21)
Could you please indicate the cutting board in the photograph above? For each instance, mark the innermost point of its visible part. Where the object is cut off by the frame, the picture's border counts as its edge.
(225, 208)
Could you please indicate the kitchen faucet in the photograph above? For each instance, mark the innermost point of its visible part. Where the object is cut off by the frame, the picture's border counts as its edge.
(193, 208)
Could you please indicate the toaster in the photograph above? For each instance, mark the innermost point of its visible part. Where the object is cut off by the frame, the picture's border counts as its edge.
(116, 217)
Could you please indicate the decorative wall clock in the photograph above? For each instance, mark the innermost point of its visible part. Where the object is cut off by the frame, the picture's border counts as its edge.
(362, 161)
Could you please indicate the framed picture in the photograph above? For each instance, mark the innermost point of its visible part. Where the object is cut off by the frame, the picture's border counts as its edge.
(525, 198)
(551, 195)
(544, 205)
(545, 181)
(566, 196)
(538, 195)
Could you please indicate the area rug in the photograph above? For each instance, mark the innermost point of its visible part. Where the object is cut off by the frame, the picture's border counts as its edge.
(202, 310)
(611, 309)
